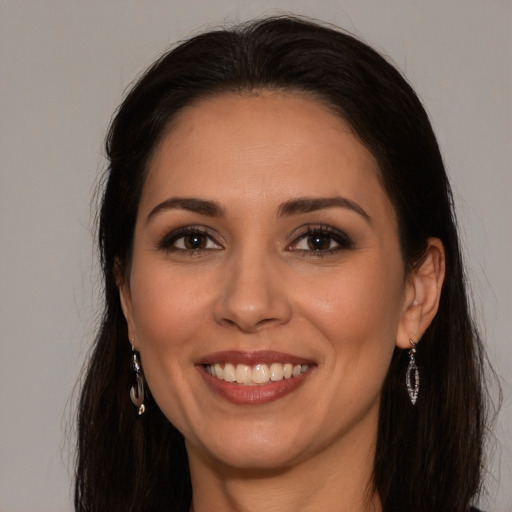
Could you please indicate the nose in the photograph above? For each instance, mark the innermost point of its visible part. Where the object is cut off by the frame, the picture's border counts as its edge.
(253, 295)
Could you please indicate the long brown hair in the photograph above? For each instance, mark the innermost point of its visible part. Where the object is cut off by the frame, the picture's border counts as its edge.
(429, 456)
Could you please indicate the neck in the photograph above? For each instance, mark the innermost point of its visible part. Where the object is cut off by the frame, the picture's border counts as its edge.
(338, 479)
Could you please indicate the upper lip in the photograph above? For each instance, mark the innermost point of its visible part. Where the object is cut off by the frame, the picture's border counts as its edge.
(252, 358)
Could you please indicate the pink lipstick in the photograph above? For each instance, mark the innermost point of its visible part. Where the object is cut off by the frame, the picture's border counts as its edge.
(250, 378)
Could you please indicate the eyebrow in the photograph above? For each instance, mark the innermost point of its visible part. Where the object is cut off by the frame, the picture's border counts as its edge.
(191, 204)
(288, 208)
(311, 204)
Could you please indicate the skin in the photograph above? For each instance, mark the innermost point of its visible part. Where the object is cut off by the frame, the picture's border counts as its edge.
(258, 285)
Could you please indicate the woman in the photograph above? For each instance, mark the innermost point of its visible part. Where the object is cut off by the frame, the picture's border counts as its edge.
(285, 302)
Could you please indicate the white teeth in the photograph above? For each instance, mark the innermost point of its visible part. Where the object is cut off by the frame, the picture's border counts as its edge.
(243, 374)
(229, 373)
(257, 374)
(276, 371)
(260, 373)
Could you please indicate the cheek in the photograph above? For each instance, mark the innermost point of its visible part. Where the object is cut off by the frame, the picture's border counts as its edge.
(168, 313)
(357, 312)
(165, 302)
(369, 297)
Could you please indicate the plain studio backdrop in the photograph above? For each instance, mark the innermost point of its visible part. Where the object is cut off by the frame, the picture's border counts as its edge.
(65, 65)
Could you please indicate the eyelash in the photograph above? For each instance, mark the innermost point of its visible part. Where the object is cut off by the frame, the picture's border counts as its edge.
(343, 241)
(168, 241)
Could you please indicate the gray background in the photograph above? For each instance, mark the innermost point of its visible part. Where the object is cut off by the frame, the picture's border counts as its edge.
(64, 67)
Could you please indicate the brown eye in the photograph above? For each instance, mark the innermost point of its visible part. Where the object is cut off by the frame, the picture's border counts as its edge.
(319, 242)
(195, 241)
(189, 239)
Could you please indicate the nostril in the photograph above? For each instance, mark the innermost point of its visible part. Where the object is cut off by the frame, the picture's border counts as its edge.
(266, 321)
(250, 326)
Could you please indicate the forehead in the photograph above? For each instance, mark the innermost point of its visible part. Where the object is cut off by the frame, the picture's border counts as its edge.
(257, 145)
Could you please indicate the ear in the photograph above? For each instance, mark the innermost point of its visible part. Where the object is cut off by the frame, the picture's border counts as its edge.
(123, 285)
(422, 294)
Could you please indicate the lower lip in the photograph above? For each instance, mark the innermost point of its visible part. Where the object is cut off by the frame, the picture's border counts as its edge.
(243, 394)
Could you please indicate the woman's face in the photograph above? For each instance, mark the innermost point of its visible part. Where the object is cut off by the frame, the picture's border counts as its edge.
(266, 253)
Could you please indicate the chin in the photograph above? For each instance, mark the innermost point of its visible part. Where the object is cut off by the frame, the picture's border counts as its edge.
(254, 459)
(253, 450)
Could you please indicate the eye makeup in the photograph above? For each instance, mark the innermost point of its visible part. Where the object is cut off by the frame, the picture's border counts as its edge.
(188, 239)
(320, 240)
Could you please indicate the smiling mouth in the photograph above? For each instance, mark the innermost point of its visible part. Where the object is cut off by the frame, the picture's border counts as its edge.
(257, 374)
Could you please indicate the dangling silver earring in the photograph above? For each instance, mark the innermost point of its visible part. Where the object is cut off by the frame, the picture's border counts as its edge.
(137, 390)
(412, 383)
